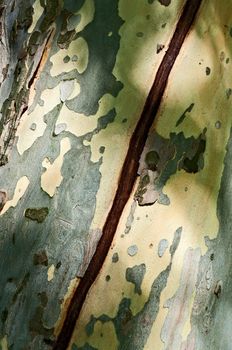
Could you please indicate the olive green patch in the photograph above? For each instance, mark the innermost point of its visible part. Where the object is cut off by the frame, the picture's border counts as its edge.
(36, 214)
(152, 159)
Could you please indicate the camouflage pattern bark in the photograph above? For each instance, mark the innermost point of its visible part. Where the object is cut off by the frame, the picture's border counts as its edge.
(74, 77)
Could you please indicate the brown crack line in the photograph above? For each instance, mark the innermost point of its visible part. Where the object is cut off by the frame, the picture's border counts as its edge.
(43, 58)
(129, 172)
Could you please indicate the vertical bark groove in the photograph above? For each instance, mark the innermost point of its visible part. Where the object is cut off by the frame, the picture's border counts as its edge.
(129, 172)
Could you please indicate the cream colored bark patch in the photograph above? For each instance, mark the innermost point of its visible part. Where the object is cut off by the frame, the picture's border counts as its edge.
(87, 15)
(32, 124)
(78, 55)
(51, 272)
(104, 336)
(52, 178)
(66, 300)
(77, 124)
(3, 343)
(178, 320)
(38, 10)
(20, 189)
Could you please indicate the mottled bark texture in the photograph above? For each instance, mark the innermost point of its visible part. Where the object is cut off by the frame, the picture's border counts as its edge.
(46, 238)
(77, 166)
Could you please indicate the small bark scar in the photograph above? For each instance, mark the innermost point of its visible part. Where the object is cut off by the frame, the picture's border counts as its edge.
(218, 289)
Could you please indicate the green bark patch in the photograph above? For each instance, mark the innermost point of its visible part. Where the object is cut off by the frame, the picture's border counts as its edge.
(102, 57)
(73, 6)
(191, 165)
(152, 159)
(36, 323)
(36, 214)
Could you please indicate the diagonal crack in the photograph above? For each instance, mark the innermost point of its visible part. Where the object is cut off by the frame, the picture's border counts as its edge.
(129, 172)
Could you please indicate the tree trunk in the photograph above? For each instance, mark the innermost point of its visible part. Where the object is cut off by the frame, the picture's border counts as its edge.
(115, 192)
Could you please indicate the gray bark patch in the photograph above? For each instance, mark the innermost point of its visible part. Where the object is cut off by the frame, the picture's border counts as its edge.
(135, 275)
(132, 250)
(163, 245)
(178, 305)
(66, 89)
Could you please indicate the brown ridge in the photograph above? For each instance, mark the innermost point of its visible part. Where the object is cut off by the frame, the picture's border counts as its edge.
(129, 172)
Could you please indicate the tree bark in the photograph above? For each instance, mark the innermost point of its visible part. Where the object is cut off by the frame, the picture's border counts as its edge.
(115, 174)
